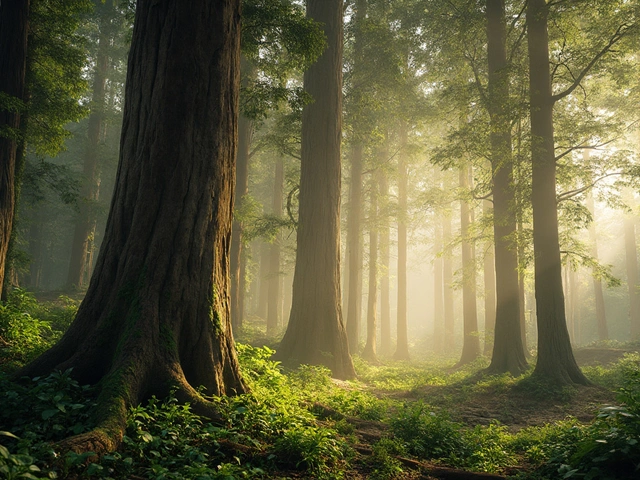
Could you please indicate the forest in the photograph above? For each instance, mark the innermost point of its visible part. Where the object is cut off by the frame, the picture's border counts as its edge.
(328, 239)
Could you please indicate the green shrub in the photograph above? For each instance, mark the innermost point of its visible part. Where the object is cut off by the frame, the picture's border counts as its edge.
(428, 435)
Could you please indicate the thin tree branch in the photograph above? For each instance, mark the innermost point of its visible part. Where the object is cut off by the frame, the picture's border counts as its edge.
(620, 32)
(572, 193)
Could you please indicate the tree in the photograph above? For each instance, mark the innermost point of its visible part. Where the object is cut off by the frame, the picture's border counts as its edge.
(275, 294)
(316, 334)
(13, 63)
(631, 264)
(508, 349)
(471, 337)
(85, 222)
(555, 357)
(156, 314)
(601, 313)
(370, 349)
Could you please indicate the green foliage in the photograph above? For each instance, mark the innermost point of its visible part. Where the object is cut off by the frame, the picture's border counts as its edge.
(28, 327)
(382, 463)
(17, 465)
(428, 434)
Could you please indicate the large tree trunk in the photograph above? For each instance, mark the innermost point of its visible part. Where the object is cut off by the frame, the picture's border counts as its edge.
(13, 63)
(508, 349)
(471, 338)
(402, 346)
(156, 314)
(385, 253)
(238, 283)
(556, 362)
(316, 334)
(631, 261)
(85, 222)
(275, 278)
(601, 314)
(370, 349)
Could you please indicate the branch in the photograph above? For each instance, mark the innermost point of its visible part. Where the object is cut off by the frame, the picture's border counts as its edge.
(618, 35)
(578, 191)
(582, 146)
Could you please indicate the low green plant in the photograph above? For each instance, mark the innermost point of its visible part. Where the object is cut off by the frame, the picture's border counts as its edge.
(316, 450)
(19, 465)
(383, 464)
(427, 434)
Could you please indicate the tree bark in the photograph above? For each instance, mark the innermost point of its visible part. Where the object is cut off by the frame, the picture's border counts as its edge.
(316, 334)
(13, 63)
(556, 362)
(402, 345)
(275, 277)
(263, 285)
(156, 313)
(508, 348)
(370, 351)
(85, 222)
(471, 336)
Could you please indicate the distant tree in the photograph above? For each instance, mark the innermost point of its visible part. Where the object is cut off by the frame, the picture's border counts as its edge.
(402, 345)
(13, 61)
(370, 351)
(275, 279)
(156, 314)
(316, 333)
(601, 313)
(471, 336)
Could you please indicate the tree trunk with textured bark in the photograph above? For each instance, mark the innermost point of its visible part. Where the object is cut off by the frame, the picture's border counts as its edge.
(13, 63)
(556, 362)
(316, 334)
(156, 313)
(508, 348)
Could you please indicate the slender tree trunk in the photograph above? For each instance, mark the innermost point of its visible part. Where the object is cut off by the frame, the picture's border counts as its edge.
(508, 347)
(471, 342)
(522, 298)
(385, 241)
(238, 277)
(13, 57)
(489, 288)
(85, 223)
(601, 314)
(275, 294)
(316, 334)
(447, 276)
(354, 220)
(263, 286)
(556, 362)
(354, 247)
(370, 349)
(402, 346)
(438, 291)
(156, 313)
(631, 255)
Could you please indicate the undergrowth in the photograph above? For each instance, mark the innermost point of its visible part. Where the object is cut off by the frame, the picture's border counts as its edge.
(282, 429)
